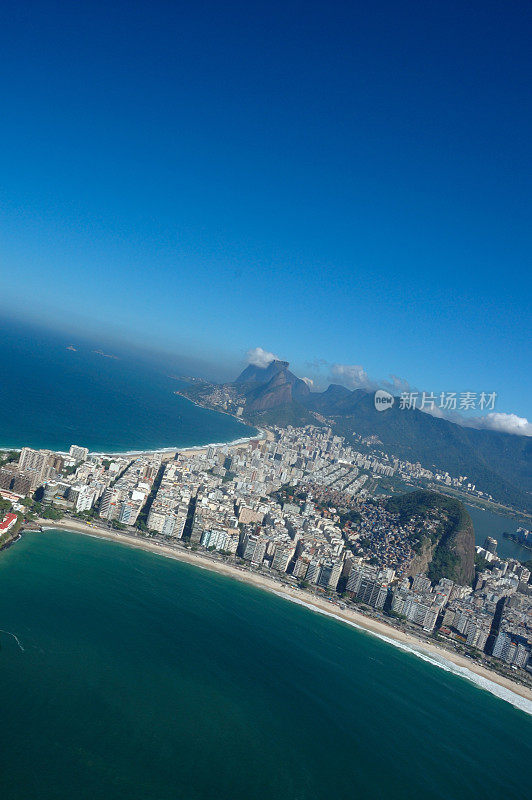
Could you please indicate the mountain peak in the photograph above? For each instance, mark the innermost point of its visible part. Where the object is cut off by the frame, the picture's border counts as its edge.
(256, 374)
(271, 386)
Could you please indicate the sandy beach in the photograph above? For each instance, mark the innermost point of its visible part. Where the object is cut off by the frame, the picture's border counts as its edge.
(169, 452)
(513, 692)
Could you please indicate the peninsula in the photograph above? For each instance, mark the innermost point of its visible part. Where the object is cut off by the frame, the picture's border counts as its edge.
(294, 512)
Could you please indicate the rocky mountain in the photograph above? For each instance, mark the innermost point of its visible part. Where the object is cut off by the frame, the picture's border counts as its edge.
(271, 387)
(260, 376)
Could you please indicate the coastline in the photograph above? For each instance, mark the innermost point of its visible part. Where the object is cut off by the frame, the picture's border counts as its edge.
(518, 695)
(191, 449)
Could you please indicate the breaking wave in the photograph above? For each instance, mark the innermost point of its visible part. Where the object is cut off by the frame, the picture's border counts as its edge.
(438, 661)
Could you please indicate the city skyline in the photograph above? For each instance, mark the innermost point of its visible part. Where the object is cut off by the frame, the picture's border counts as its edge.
(343, 190)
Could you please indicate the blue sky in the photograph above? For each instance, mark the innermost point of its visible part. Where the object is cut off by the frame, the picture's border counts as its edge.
(338, 183)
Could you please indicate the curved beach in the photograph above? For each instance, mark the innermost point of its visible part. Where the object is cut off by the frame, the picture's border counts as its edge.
(518, 695)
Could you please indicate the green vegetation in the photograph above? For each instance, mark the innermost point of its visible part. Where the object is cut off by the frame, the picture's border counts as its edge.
(89, 513)
(119, 526)
(8, 457)
(443, 565)
(349, 515)
(496, 463)
(5, 506)
(481, 563)
(395, 615)
(420, 503)
(51, 513)
(452, 520)
(290, 414)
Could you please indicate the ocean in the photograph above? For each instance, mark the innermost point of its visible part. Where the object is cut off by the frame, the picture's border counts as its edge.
(135, 676)
(52, 397)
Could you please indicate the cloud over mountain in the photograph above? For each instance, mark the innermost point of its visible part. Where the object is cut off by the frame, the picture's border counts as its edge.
(499, 421)
(353, 376)
(259, 357)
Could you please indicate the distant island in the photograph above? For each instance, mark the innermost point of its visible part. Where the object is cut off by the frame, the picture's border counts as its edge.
(105, 355)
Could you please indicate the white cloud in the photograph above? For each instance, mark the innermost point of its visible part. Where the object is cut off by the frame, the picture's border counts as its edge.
(351, 375)
(309, 382)
(354, 376)
(507, 423)
(396, 385)
(259, 357)
(494, 421)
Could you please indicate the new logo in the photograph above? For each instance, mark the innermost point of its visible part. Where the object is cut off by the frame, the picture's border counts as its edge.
(383, 400)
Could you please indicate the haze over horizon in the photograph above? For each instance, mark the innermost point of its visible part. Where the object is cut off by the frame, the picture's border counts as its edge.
(346, 189)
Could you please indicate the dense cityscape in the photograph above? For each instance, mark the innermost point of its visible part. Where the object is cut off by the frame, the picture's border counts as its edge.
(295, 505)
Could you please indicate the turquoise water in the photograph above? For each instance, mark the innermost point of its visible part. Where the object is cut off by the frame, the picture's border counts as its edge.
(145, 678)
(54, 397)
(487, 523)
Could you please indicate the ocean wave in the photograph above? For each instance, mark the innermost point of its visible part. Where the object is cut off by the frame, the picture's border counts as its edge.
(244, 440)
(501, 692)
(261, 434)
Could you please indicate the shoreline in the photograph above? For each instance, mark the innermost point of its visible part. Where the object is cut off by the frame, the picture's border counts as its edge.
(261, 434)
(194, 448)
(518, 695)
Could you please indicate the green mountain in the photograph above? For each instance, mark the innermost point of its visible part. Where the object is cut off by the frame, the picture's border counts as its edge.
(448, 551)
(498, 463)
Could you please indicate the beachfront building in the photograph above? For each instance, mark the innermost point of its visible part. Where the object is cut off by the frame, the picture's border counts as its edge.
(78, 453)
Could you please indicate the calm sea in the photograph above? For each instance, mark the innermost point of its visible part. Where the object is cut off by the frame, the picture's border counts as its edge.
(53, 397)
(487, 523)
(141, 677)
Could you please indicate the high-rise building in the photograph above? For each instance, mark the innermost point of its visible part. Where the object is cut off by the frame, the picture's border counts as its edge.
(372, 591)
(490, 545)
(22, 484)
(512, 648)
(38, 465)
(421, 583)
(78, 453)
(7, 473)
(282, 557)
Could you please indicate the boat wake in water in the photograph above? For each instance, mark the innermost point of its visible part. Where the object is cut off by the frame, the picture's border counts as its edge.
(14, 637)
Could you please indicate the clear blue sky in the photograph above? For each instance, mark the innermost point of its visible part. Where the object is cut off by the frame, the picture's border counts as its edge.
(349, 182)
